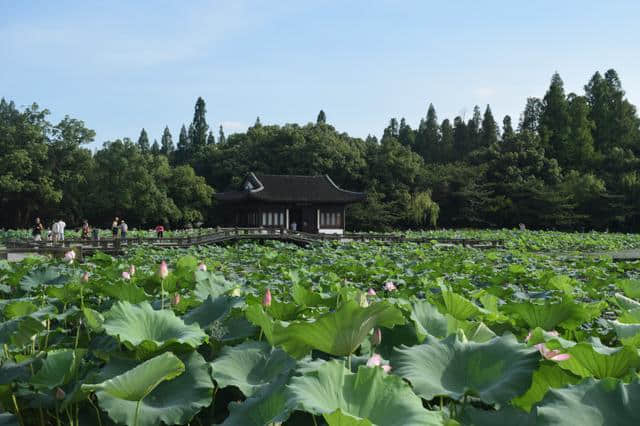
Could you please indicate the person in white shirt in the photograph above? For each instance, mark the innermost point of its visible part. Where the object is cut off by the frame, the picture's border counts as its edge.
(55, 227)
(61, 226)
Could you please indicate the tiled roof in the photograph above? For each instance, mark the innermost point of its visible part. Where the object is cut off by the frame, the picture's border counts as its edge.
(291, 188)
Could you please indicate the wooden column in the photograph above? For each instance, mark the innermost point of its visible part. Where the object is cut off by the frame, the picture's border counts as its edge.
(286, 219)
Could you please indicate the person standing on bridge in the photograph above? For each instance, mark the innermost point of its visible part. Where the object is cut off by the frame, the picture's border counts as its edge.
(37, 230)
(123, 230)
(61, 226)
(114, 228)
(159, 231)
(84, 232)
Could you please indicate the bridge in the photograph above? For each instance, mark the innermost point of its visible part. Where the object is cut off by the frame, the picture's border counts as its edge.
(118, 246)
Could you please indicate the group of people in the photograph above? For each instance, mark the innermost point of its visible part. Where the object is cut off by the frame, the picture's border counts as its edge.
(56, 233)
(119, 229)
(119, 225)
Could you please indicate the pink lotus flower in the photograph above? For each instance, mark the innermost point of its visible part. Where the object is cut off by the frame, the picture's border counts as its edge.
(377, 337)
(376, 361)
(69, 256)
(371, 292)
(202, 267)
(132, 270)
(390, 286)
(266, 300)
(553, 355)
(60, 394)
(175, 299)
(85, 277)
(164, 270)
(126, 275)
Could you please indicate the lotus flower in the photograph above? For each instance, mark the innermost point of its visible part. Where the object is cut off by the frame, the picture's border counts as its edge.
(69, 256)
(552, 355)
(126, 275)
(266, 300)
(376, 361)
(85, 277)
(371, 292)
(390, 286)
(202, 267)
(60, 394)
(164, 270)
(132, 270)
(236, 292)
(175, 299)
(377, 337)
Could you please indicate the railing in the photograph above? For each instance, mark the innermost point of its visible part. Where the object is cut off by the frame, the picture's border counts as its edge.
(227, 234)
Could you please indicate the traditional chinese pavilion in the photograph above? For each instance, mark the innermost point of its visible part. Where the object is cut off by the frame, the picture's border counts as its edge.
(304, 203)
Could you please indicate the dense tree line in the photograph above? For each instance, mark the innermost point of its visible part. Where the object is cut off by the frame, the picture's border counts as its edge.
(570, 162)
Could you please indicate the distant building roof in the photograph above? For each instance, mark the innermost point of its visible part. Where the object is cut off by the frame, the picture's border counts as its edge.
(290, 188)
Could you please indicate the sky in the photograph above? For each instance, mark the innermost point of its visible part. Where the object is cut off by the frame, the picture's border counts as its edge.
(123, 65)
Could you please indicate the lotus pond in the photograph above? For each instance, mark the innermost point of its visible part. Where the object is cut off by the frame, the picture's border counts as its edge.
(337, 334)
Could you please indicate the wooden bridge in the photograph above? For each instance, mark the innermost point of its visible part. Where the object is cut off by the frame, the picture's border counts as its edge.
(223, 236)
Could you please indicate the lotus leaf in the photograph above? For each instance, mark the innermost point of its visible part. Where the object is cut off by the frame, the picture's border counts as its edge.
(494, 371)
(58, 368)
(549, 375)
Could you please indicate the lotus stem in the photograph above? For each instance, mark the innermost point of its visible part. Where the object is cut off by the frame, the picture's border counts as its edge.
(349, 362)
(97, 411)
(135, 418)
(314, 420)
(15, 405)
(162, 294)
(77, 336)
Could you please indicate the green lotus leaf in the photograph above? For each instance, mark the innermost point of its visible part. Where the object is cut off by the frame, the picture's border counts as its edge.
(121, 396)
(44, 276)
(593, 359)
(337, 333)
(629, 334)
(370, 394)
(631, 288)
(210, 284)
(592, 403)
(141, 326)
(257, 316)
(495, 371)
(94, 319)
(12, 371)
(548, 316)
(307, 297)
(125, 291)
(506, 416)
(211, 310)
(338, 418)
(626, 303)
(58, 368)
(267, 406)
(19, 331)
(459, 307)
(429, 320)
(175, 401)
(18, 309)
(250, 366)
(563, 283)
(548, 376)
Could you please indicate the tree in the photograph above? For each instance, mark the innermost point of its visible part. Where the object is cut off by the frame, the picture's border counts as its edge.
(166, 142)
(257, 123)
(446, 142)
(155, 147)
(143, 141)
(422, 210)
(530, 118)
(199, 127)
(489, 131)
(554, 121)
(579, 153)
(211, 140)
(184, 151)
(406, 136)
(221, 138)
(461, 145)
(473, 129)
(428, 137)
(507, 129)
(322, 118)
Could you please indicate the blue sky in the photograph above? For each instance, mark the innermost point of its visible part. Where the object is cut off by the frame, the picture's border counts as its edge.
(124, 65)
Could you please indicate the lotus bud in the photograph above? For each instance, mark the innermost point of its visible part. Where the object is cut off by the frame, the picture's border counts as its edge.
(377, 337)
(390, 286)
(386, 368)
(69, 256)
(236, 292)
(60, 394)
(371, 292)
(202, 267)
(175, 299)
(363, 300)
(266, 300)
(164, 270)
(126, 275)
(85, 277)
(374, 361)
(132, 270)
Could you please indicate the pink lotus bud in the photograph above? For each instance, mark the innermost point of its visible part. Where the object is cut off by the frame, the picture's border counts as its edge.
(85, 277)
(126, 275)
(132, 270)
(202, 267)
(60, 394)
(553, 355)
(377, 337)
(371, 292)
(175, 299)
(386, 368)
(266, 300)
(374, 361)
(164, 270)
(389, 286)
(69, 256)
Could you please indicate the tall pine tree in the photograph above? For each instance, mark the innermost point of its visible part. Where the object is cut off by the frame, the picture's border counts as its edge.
(489, 131)
(183, 153)
(199, 127)
(221, 137)
(322, 118)
(166, 142)
(428, 137)
(507, 129)
(211, 140)
(143, 141)
(554, 121)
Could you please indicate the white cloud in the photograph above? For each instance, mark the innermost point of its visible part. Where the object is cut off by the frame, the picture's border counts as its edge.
(484, 92)
(236, 126)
